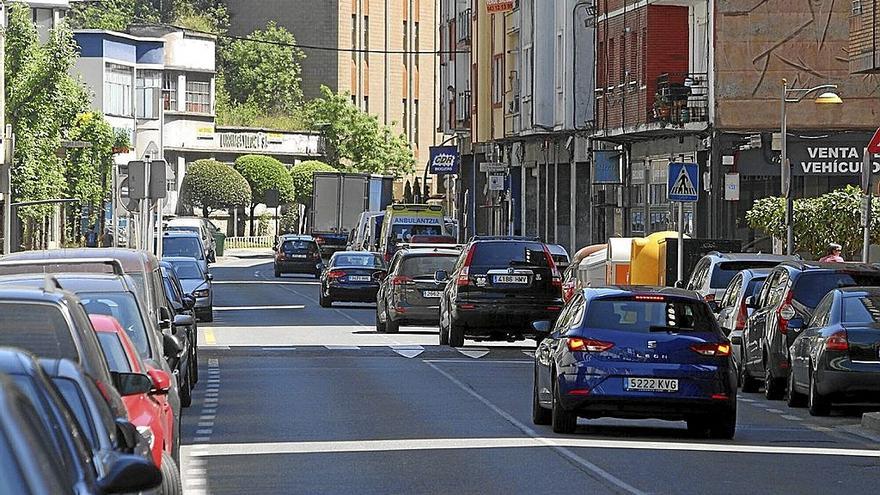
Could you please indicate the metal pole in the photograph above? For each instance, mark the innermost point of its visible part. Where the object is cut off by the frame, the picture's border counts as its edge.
(680, 252)
(867, 171)
(160, 204)
(786, 173)
(114, 216)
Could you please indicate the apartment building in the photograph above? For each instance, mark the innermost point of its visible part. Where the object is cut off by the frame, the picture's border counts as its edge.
(380, 51)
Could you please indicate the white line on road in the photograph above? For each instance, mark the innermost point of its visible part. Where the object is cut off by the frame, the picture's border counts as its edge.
(257, 308)
(484, 361)
(792, 418)
(342, 347)
(473, 352)
(774, 411)
(408, 351)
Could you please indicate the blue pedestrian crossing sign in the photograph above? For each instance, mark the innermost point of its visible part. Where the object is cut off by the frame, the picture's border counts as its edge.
(684, 182)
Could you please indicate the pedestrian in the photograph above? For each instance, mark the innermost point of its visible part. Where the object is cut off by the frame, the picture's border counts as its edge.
(107, 238)
(92, 236)
(833, 254)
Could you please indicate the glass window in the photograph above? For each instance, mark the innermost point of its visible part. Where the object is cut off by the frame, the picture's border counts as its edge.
(169, 91)
(37, 328)
(405, 44)
(299, 246)
(114, 352)
(147, 88)
(732, 292)
(198, 95)
(811, 287)
(124, 307)
(723, 272)
(416, 43)
(117, 90)
(354, 260)
(508, 254)
(415, 126)
(425, 266)
(631, 315)
(404, 232)
(366, 45)
(861, 309)
(187, 270)
(75, 401)
(354, 37)
(187, 247)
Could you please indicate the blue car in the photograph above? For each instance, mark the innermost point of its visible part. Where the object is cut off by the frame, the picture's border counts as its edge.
(635, 352)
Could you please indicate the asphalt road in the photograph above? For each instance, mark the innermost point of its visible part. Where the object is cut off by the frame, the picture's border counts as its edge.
(300, 399)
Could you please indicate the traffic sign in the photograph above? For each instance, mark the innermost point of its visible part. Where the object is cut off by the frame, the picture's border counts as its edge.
(489, 167)
(874, 144)
(683, 182)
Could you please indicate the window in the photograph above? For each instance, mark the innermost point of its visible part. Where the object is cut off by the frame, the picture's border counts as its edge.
(610, 61)
(405, 118)
(198, 96)
(117, 90)
(366, 45)
(600, 67)
(634, 58)
(623, 70)
(498, 81)
(416, 43)
(171, 184)
(415, 125)
(367, 104)
(629, 315)
(354, 38)
(861, 309)
(405, 44)
(169, 91)
(147, 89)
(856, 7)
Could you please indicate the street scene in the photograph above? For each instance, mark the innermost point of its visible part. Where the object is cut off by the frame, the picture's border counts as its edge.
(439, 246)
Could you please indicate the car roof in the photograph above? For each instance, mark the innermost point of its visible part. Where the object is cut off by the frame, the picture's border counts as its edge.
(750, 256)
(132, 260)
(861, 291)
(412, 252)
(297, 237)
(187, 221)
(17, 361)
(354, 253)
(170, 260)
(832, 267)
(74, 282)
(64, 368)
(495, 238)
(637, 290)
(40, 294)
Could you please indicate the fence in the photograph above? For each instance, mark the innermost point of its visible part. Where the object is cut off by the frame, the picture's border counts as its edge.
(250, 242)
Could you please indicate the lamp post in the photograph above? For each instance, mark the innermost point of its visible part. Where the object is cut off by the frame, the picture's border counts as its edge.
(796, 95)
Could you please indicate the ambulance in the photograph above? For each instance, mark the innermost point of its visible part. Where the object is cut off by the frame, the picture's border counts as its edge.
(403, 221)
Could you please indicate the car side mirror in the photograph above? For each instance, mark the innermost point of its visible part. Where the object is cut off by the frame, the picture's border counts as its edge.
(736, 339)
(542, 329)
(183, 320)
(161, 381)
(189, 302)
(750, 302)
(131, 383)
(164, 318)
(210, 276)
(130, 473)
(172, 347)
(441, 276)
(127, 434)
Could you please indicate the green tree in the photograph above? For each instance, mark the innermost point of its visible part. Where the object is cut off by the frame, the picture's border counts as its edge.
(87, 170)
(115, 15)
(263, 173)
(355, 140)
(209, 185)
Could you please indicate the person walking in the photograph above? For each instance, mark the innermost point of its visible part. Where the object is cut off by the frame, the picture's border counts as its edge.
(92, 236)
(833, 254)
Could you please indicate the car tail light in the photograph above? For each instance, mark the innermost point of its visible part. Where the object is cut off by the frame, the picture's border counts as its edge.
(785, 313)
(464, 276)
(837, 342)
(579, 391)
(401, 280)
(578, 344)
(712, 349)
(709, 298)
(556, 277)
(741, 316)
(335, 274)
(568, 290)
(650, 298)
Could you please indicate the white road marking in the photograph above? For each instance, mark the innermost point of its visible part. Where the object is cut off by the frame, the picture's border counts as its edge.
(342, 347)
(472, 361)
(257, 308)
(774, 411)
(473, 352)
(408, 351)
(791, 418)
(206, 424)
(529, 353)
(278, 348)
(745, 399)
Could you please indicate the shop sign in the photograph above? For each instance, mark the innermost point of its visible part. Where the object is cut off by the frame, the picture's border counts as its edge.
(831, 160)
(244, 140)
(499, 6)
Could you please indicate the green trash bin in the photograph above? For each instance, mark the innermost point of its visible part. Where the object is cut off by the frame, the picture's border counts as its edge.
(219, 243)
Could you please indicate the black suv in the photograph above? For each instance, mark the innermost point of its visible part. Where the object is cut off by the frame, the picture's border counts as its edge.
(789, 296)
(299, 254)
(498, 287)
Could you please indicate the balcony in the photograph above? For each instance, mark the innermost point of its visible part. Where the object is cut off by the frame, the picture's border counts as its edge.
(463, 22)
(463, 109)
(680, 99)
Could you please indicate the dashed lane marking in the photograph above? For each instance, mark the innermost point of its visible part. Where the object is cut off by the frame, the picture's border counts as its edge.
(473, 352)
(209, 337)
(791, 418)
(342, 347)
(408, 351)
(258, 308)
(774, 411)
(193, 466)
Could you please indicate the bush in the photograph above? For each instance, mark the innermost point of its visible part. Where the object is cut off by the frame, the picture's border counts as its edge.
(302, 175)
(263, 227)
(210, 185)
(263, 173)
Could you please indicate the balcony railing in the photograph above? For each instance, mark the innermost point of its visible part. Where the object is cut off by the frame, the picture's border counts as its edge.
(681, 99)
(464, 27)
(463, 107)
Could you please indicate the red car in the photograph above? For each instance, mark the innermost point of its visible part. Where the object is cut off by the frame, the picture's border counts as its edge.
(150, 413)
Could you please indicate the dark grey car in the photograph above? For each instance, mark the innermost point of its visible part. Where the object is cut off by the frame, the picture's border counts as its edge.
(197, 284)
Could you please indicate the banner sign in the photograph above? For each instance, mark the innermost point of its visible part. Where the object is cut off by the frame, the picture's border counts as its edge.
(499, 6)
(444, 160)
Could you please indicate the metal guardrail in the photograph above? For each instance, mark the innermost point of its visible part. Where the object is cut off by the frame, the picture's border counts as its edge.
(250, 242)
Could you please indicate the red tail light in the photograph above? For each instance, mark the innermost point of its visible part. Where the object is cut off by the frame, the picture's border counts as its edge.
(401, 280)
(578, 344)
(388, 257)
(650, 298)
(709, 298)
(837, 341)
(335, 274)
(464, 276)
(568, 290)
(712, 349)
(556, 277)
(785, 313)
(741, 316)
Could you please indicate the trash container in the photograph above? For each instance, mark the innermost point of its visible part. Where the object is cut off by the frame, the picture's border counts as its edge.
(219, 243)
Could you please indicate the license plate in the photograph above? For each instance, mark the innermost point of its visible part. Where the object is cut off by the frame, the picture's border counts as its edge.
(299, 256)
(360, 278)
(652, 384)
(511, 279)
(431, 294)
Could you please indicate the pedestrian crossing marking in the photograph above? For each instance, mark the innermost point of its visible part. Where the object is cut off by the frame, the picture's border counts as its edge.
(408, 351)
(475, 353)
(683, 185)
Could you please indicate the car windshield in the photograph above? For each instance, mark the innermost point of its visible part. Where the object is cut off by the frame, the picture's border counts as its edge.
(810, 288)
(114, 352)
(185, 228)
(724, 272)
(38, 328)
(187, 270)
(187, 247)
(861, 309)
(405, 232)
(426, 266)
(651, 314)
(754, 286)
(506, 254)
(363, 260)
(124, 307)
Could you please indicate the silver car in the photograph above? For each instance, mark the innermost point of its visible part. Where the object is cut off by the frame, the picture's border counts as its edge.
(733, 313)
(196, 283)
(713, 272)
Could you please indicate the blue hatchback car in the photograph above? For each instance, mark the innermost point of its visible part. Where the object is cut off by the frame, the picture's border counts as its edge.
(635, 352)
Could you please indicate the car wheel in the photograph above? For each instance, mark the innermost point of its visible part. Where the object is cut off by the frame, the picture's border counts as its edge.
(184, 388)
(391, 326)
(456, 334)
(540, 415)
(698, 426)
(444, 328)
(277, 273)
(749, 384)
(325, 302)
(317, 275)
(380, 327)
(793, 397)
(561, 420)
(819, 405)
(724, 427)
(171, 482)
(774, 388)
(208, 315)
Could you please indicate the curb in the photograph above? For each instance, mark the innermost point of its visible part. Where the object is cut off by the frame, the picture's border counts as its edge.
(871, 421)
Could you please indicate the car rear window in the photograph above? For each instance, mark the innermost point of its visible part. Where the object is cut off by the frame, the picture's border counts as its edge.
(644, 316)
(724, 272)
(293, 246)
(810, 288)
(506, 254)
(427, 265)
(364, 260)
(38, 328)
(754, 287)
(114, 352)
(405, 232)
(187, 270)
(187, 247)
(123, 307)
(861, 309)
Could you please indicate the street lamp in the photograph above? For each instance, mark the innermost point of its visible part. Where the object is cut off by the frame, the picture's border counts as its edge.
(796, 95)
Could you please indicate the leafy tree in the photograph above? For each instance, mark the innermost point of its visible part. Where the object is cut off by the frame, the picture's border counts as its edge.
(115, 15)
(87, 170)
(262, 174)
(209, 185)
(302, 174)
(355, 140)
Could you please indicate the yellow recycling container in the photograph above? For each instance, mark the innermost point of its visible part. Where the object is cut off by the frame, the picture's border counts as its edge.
(645, 258)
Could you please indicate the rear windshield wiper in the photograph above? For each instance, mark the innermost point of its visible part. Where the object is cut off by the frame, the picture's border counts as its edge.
(664, 328)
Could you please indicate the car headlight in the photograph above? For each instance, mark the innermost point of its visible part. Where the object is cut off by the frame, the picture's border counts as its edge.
(200, 293)
(147, 433)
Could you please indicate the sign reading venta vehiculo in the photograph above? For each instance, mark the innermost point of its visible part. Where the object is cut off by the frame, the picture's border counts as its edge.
(830, 160)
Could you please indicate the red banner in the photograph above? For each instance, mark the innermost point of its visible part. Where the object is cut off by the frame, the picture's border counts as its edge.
(498, 6)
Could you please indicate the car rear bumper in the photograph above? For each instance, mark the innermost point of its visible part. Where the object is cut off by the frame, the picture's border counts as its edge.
(352, 293)
(427, 315)
(860, 384)
(287, 266)
(485, 318)
(644, 408)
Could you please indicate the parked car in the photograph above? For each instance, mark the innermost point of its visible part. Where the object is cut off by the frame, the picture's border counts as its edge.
(73, 451)
(637, 352)
(298, 254)
(197, 284)
(837, 357)
(29, 465)
(713, 272)
(789, 296)
(498, 287)
(150, 412)
(351, 276)
(201, 226)
(186, 332)
(732, 311)
(410, 293)
(184, 244)
(560, 256)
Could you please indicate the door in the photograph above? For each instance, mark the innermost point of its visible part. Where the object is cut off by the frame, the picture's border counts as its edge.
(753, 334)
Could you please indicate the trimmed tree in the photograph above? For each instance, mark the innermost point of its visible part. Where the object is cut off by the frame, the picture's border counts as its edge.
(263, 173)
(211, 185)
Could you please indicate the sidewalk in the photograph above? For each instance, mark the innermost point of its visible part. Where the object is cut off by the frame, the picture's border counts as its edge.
(233, 254)
(871, 421)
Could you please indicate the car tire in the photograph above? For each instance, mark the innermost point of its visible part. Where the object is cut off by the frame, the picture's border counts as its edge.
(380, 327)
(749, 384)
(723, 428)
(325, 302)
(456, 334)
(444, 329)
(171, 481)
(698, 426)
(208, 315)
(540, 415)
(818, 404)
(774, 388)
(793, 397)
(185, 390)
(318, 276)
(392, 326)
(562, 421)
(277, 273)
